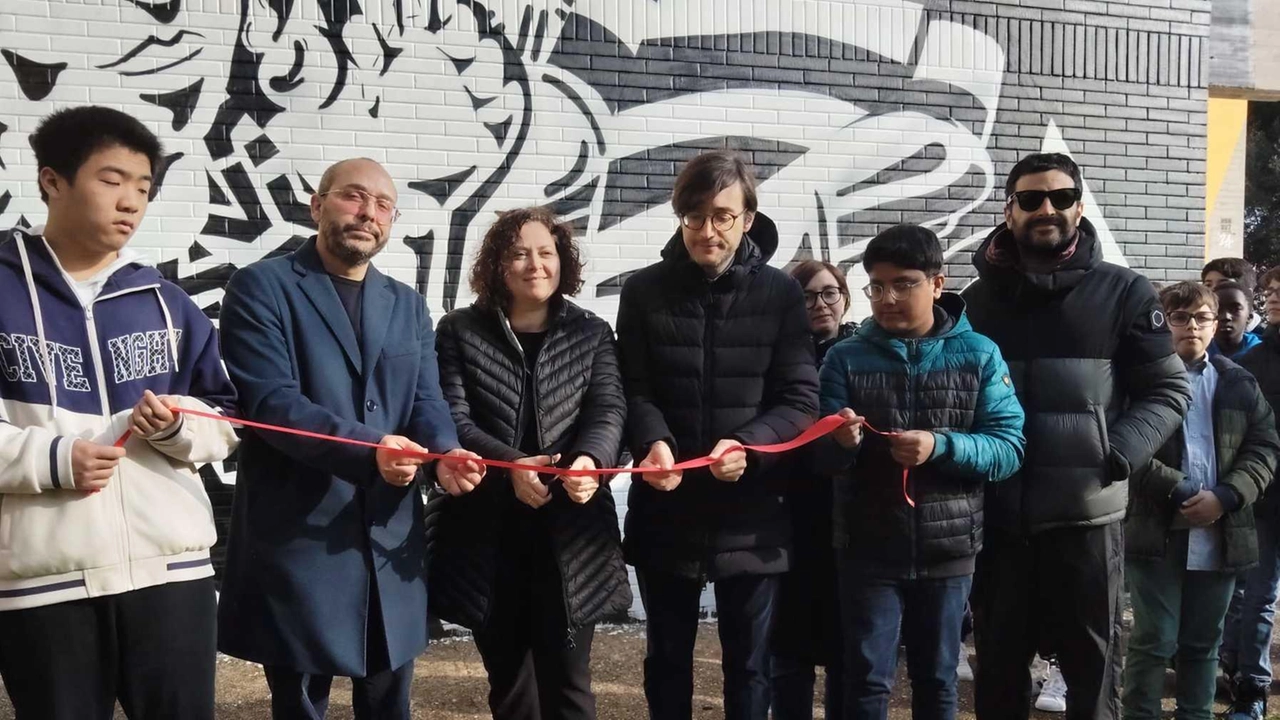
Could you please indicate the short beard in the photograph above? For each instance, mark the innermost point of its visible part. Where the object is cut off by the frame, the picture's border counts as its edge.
(1032, 250)
(335, 235)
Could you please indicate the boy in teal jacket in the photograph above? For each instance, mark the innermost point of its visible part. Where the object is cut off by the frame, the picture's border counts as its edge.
(931, 418)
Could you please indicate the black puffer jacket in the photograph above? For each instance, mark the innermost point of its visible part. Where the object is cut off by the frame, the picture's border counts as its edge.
(1246, 447)
(580, 411)
(806, 622)
(1263, 361)
(705, 360)
(1093, 364)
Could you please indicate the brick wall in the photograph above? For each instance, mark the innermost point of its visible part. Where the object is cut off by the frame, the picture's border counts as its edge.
(857, 115)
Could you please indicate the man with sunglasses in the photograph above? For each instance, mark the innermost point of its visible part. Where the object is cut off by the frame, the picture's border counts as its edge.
(326, 557)
(715, 352)
(1093, 363)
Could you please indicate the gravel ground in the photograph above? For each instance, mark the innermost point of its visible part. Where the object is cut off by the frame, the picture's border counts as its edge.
(449, 683)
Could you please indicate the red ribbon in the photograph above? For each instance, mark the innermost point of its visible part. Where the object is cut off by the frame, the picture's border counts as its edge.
(906, 472)
(822, 427)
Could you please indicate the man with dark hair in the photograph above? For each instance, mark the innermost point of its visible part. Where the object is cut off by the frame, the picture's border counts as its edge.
(106, 587)
(908, 505)
(1093, 363)
(715, 352)
(326, 560)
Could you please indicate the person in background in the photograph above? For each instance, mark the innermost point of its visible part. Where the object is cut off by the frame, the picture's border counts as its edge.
(1190, 527)
(531, 562)
(908, 503)
(1234, 306)
(806, 631)
(1238, 270)
(1246, 643)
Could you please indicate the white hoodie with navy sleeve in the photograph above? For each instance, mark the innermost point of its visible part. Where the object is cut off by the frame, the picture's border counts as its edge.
(74, 360)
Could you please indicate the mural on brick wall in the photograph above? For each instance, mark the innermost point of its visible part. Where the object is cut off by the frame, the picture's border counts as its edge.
(590, 106)
(856, 114)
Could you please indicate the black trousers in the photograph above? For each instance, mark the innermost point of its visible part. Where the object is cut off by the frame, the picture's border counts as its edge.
(382, 694)
(1058, 593)
(153, 649)
(744, 606)
(537, 670)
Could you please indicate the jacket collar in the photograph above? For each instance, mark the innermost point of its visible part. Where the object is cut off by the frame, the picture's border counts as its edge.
(377, 304)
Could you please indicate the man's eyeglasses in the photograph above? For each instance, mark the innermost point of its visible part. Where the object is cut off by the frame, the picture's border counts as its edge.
(384, 210)
(1032, 200)
(898, 290)
(722, 221)
(1182, 318)
(828, 296)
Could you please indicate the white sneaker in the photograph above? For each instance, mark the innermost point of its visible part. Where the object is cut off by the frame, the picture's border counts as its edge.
(1053, 696)
(964, 671)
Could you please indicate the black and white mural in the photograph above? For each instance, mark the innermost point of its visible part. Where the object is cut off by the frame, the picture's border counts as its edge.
(857, 114)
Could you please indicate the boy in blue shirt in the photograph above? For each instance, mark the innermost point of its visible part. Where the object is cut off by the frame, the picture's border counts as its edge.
(931, 417)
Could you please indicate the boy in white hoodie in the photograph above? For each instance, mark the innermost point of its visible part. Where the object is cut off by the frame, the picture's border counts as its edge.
(106, 588)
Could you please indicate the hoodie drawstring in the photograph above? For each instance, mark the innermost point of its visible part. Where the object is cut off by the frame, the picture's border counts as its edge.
(45, 357)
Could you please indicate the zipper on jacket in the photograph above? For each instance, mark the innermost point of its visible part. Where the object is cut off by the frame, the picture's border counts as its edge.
(123, 539)
(913, 347)
(708, 370)
(96, 353)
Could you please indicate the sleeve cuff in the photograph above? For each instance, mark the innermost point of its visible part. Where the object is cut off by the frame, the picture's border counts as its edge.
(60, 476)
(169, 434)
(1228, 497)
(941, 446)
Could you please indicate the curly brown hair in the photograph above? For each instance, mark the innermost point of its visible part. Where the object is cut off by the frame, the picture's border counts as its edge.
(488, 271)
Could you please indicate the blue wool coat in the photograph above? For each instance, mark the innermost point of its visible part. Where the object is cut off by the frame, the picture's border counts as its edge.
(313, 522)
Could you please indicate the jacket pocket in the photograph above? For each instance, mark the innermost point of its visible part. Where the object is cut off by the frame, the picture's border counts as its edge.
(57, 532)
(167, 510)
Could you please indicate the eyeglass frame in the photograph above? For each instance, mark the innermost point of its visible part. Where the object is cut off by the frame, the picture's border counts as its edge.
(811, 299)
(1190, 316)
(870, 289)
(365, 196)
(685, 223)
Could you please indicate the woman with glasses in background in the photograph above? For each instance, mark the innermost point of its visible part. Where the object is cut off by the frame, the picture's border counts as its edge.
(807, 630)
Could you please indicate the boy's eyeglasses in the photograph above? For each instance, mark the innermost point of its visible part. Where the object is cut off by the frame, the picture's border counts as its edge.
(828, 296)
(898, 290)
(1182, 318)
(1032, 200)
(722, 221)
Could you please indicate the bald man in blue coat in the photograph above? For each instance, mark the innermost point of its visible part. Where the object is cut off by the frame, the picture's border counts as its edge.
(326, 557)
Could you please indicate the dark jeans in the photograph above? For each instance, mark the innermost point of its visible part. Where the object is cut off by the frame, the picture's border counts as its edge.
(744, 606)
(792, 688)
(1246, 641)
(1057, 592)
(153, 649)
(927, 615)
(1175, 612)
(537, 670)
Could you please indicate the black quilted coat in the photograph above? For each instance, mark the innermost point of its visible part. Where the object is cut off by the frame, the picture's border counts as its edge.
(706, 360)
(580, 410)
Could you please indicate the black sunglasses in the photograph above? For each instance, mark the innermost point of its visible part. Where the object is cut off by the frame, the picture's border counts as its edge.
(1031, 200)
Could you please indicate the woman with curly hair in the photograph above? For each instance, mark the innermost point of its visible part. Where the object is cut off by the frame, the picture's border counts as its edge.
(531, 561)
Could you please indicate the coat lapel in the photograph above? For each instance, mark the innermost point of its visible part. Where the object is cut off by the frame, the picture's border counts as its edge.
(375, 317)
(319, 290)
